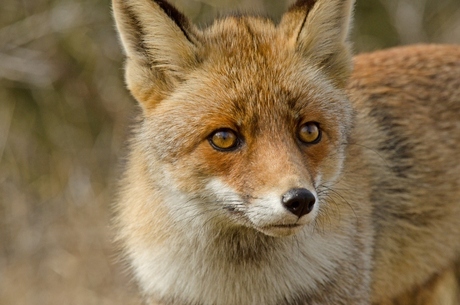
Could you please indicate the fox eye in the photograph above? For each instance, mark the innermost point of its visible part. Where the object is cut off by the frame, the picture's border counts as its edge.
(224, 140)
(309, 133)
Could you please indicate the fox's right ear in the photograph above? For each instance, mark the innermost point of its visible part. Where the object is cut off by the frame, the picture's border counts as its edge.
(160, 44)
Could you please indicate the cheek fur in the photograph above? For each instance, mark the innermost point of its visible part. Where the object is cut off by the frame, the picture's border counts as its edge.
(327, 159)
(315, 155)
(215, 163)
(196, 169)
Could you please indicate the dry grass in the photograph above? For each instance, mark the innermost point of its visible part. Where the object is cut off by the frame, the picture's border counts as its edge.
(64, 113)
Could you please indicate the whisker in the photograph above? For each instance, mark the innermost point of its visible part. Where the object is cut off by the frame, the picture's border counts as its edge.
(343, 199)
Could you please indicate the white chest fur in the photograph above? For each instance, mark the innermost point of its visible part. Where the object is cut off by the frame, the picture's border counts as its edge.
(243, 268)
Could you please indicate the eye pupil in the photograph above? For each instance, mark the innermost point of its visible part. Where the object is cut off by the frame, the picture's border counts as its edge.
(225, 139)
(309, 133)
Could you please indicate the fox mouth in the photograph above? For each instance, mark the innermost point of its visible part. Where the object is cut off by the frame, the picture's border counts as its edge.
(281, 229)
(285, 226)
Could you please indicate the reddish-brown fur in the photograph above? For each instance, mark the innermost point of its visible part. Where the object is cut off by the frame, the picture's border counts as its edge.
(204, 226)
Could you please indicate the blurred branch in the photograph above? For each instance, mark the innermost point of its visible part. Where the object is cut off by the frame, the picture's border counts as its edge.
(27, 69)
(5, 123)
(26, 65)
(58, 19)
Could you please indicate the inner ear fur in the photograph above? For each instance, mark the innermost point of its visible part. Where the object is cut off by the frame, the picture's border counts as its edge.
(160, 44)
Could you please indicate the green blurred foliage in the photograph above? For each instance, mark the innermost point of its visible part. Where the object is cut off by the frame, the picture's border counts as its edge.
(64, 115)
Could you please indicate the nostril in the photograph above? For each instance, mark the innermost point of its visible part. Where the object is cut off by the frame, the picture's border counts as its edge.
(295, 205)
(299, 201)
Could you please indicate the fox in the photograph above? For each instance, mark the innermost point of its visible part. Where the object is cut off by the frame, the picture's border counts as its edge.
(268, 165)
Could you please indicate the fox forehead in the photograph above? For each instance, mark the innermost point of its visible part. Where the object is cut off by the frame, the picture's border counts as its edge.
(249, 49)
(244, 37)
(248, 64)
(245, 64)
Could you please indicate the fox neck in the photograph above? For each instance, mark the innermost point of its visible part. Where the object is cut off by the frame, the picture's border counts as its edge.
(214, 265)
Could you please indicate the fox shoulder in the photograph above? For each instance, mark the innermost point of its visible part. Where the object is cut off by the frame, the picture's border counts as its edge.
(407, 101)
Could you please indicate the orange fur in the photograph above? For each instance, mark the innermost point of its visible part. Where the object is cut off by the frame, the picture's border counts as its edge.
(203, 225)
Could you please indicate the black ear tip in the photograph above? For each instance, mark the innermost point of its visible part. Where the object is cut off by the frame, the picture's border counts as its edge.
(171, 11)
(175, 15)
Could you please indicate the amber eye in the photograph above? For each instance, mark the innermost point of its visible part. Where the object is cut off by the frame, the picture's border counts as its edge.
(309, 133)
(224, 139)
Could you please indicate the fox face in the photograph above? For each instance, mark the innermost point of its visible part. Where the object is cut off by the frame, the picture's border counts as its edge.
(258, 150)
(244, 122)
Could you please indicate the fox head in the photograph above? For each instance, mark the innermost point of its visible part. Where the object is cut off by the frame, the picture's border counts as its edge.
(244, 123)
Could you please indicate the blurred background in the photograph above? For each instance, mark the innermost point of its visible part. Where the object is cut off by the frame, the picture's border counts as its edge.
(64, 117)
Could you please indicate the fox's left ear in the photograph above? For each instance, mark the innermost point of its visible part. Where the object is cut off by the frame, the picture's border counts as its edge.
(319, 29)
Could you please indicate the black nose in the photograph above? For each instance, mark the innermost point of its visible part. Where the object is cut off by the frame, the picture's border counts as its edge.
(298, 201)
